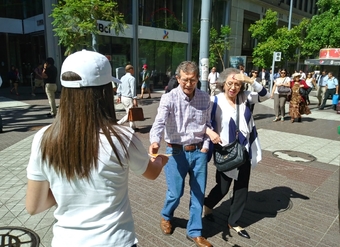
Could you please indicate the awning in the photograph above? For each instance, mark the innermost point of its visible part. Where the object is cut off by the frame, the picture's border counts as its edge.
(334, 62)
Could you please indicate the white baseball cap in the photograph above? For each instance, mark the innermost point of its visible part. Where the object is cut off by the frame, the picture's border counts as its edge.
(93, 68)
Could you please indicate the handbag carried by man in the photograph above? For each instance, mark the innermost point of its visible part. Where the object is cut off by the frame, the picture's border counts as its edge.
(233, 155)
(136, 114)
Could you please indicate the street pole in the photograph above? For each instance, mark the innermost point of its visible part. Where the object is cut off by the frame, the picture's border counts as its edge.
(204, 44)
(273, 67)
(290, 14)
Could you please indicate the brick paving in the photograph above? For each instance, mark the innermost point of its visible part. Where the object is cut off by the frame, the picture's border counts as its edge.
(290, 203)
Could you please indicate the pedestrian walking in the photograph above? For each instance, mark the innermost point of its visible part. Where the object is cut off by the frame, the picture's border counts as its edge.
(321, 86)
(127, 94)
(145, 82)
(49, 74)
(80, 163)
(14, 79)
(332, 88)
(298, 103)
(183, 115)
(235, 98)
(280, 99)
(212, 78)
(38, 78)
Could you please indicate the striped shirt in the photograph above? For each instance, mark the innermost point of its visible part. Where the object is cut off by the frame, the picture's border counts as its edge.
(183, 121)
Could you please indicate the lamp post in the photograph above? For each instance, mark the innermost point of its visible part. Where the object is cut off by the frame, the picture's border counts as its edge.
(290, 14)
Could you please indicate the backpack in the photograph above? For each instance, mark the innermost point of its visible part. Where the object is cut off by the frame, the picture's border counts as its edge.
(173, 83)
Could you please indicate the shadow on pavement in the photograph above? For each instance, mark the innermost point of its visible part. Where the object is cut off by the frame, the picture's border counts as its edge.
(262, 204)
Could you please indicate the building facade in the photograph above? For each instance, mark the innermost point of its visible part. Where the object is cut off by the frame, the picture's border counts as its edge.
(160, 33)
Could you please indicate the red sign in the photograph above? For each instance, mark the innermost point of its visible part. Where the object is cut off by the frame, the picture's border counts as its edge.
(328, 53)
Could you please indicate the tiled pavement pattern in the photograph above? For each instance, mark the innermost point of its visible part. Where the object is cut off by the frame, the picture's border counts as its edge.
(290, 203)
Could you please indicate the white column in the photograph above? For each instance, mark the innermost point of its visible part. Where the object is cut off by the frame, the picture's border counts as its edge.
(51, 41)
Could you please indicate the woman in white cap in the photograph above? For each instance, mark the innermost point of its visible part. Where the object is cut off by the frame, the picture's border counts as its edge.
(80, 162)
(298, 103)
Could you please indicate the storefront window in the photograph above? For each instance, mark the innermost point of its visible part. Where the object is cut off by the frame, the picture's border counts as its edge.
(162, 14)
(162, 59)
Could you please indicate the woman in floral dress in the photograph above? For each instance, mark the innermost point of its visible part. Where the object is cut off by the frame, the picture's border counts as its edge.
(298, 104)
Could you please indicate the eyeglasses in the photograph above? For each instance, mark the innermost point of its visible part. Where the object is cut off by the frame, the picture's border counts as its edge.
(283, 72)
(192, 81)
(255, 72)
(231, 84)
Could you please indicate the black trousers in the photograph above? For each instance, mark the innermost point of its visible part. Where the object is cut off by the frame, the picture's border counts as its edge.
(240, 192)
(329, 92)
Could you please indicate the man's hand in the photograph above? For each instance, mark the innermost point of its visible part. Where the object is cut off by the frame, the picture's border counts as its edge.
(153, 149)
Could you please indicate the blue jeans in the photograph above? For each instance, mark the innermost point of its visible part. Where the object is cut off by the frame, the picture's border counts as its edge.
(179, 165)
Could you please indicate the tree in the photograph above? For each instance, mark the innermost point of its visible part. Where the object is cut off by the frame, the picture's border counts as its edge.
(272, 39)
(322, 29)
(75, 22)
(218, 44)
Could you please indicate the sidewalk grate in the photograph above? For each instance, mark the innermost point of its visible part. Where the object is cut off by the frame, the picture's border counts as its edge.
(12, 236)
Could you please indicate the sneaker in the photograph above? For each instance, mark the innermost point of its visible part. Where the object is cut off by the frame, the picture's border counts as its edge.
(282, 119)
(276, 119)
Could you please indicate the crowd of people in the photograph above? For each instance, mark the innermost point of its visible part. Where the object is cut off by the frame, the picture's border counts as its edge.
(87, 163)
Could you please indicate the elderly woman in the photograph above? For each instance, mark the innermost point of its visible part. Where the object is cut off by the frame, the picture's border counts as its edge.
(298, 103)
(234, 94)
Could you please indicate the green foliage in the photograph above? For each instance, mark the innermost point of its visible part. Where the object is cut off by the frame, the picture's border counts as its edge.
(264, 28)
(322, 30)
(75, 21)
(272, 39)
(218, 44)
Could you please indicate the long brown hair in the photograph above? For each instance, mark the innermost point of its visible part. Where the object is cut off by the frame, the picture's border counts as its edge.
(71, 144)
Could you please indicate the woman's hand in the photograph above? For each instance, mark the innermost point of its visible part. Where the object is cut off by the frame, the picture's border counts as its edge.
(214, 137)
(243, 78)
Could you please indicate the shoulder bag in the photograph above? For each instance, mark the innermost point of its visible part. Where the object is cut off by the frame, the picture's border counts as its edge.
(233, 155)
(283, 90)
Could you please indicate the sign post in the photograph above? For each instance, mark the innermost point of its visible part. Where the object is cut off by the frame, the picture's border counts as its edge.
(276, 58)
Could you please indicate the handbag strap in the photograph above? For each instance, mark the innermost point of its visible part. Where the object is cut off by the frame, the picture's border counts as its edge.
(237, 117)
(213, 112)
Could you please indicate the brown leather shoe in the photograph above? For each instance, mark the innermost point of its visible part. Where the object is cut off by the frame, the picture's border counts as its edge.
(166, 227)
(200, 241)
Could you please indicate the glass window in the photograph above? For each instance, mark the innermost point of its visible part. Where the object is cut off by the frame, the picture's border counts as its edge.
(125, 7)
(162, 59)
(162, 14)
(20, 9)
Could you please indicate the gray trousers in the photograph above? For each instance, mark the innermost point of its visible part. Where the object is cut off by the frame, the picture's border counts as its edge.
(279, 105)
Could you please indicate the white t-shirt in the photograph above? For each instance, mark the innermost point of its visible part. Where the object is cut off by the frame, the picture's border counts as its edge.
(98, 212)
(309, 82)
(280, 81)
(212, 77)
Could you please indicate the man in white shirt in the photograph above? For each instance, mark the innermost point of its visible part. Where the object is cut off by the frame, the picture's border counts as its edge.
(212, 77)
(127, 94)
(303, 75)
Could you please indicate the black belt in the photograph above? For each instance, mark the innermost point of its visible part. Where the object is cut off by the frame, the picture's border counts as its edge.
(188, 148)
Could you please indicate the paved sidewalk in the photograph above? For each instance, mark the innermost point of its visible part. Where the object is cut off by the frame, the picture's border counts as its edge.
(293, 191)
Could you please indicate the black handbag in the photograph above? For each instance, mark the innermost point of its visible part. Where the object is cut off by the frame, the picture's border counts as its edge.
(231, 156)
